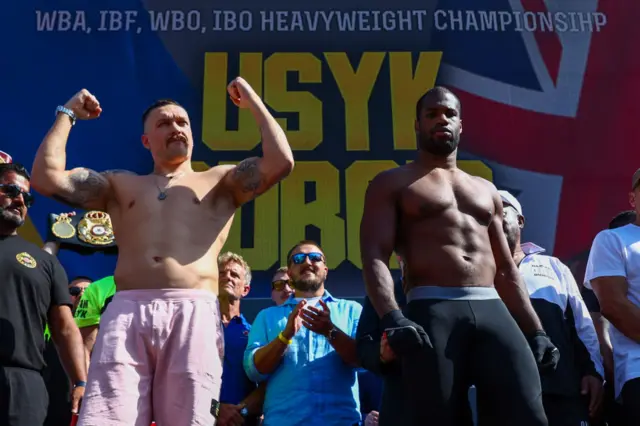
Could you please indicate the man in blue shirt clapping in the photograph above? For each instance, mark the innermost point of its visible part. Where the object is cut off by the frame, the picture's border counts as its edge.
(305, 350)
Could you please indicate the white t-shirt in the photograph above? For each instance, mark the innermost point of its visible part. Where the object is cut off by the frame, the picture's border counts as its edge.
(616, 253)
(311, 301)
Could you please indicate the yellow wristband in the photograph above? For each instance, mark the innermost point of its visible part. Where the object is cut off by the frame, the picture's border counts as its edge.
(284, 339)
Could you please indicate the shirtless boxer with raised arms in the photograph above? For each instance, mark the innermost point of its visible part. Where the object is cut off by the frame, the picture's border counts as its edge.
(459, 273)
(158, 353)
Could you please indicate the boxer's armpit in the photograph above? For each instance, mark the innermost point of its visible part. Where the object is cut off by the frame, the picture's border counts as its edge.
(84, 188)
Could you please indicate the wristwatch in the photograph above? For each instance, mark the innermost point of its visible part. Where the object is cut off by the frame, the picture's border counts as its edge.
(332, 334)
(68, 112)
(244, 412)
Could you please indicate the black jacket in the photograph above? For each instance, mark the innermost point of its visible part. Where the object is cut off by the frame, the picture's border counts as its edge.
(368, 348)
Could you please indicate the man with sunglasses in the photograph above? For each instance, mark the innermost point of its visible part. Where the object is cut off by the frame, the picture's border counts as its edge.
(305, 350)
(34, 292)
(170, 226)
(77, 286)
(467, 306)
(281, 286)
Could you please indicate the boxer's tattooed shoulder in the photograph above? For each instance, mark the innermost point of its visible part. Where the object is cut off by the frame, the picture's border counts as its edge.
(83, 188)
(248, 174)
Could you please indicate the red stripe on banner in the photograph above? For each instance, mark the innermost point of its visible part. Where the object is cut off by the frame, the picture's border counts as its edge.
(548, 40)
(596, 152)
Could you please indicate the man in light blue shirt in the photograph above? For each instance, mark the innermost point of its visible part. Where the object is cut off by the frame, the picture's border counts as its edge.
(305, 349)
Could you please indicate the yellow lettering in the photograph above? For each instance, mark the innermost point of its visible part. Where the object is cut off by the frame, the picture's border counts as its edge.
(476, 168)
(263, 253)
(321, 212)
(356, 87)
(199, 166)
(215, 100)
(357, 178)
(309, 108)
(29, 232)
(406, 88)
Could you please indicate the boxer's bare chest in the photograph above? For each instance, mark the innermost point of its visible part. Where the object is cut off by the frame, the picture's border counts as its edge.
(194, 205)
(446, 197)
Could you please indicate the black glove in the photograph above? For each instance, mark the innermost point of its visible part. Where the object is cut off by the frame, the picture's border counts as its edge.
(404, 336)
(545, 353)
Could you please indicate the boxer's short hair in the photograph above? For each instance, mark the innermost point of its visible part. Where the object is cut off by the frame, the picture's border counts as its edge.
(439, 91)
(158, 104)
(17, 168)
(227, 257)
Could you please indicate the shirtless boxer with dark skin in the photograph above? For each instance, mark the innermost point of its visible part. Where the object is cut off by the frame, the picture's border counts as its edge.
(170, 226)
(447, 227)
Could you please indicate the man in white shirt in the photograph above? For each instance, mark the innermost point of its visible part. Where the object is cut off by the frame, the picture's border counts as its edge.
(613, 272)
(572, 393)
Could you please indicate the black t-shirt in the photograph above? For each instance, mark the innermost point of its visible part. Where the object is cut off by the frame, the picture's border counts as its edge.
(31, 282)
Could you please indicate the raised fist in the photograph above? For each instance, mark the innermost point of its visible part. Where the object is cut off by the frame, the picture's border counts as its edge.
(241, 93)
(84, 105)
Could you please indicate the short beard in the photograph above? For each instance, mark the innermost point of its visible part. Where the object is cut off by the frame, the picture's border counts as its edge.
(308, 285)
(440, 149)
(9, 220)
(511, 241)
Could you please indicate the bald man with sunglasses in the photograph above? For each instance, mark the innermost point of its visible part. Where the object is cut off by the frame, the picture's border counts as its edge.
(305, 349)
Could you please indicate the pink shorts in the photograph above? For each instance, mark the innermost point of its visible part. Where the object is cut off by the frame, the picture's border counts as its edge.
(158, 356)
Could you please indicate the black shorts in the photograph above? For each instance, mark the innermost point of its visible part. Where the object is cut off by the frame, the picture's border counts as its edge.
(566, 411)
(23, 397)
(631, 402)
(475, 341)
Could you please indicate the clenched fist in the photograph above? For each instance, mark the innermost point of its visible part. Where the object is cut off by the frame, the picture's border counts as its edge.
(241, 93)
(84, 105)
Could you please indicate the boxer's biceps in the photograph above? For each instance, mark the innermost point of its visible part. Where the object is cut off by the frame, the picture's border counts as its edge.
(251, 178)
(248, 176)
(83, 188)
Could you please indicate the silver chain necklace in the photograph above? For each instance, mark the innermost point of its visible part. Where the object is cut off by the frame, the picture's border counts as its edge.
(162, 193)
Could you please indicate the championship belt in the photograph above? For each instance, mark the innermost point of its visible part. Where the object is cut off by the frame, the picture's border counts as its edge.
(5, 158)
(84, 234)
(95, 228)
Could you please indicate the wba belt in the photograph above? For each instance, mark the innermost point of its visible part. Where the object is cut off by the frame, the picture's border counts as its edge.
(85, 234)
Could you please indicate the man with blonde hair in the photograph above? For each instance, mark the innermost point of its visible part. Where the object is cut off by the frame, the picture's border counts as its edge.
(240, 398)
